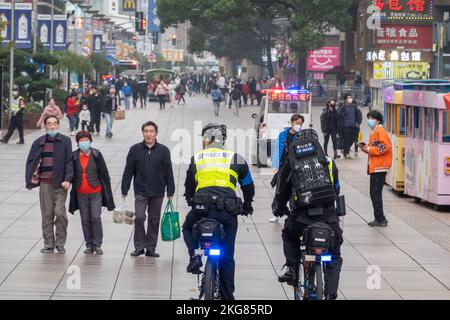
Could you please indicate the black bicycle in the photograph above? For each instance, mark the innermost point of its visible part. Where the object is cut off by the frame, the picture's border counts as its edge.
(316, 241)
(209, 233)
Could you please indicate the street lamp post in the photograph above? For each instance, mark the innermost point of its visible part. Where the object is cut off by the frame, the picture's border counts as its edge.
(11, 58)
(52, 23)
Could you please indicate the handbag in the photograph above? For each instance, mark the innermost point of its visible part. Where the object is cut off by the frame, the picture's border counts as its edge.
(119, 115)
(170, 223)
(123, 214)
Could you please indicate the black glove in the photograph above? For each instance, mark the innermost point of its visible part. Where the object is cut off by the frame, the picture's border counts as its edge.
(247, 209)
(278, 212)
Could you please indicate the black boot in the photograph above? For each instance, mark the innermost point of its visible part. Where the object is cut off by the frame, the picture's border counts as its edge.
(195, 263)
(289, 276)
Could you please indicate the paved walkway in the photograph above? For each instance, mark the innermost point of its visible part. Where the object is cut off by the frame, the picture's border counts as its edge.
(412, 253)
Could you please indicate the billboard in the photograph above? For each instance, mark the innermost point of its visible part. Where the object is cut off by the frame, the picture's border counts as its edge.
(404, 37)
(5, 16)
(153, 19)
(324, 59)
(22, 25)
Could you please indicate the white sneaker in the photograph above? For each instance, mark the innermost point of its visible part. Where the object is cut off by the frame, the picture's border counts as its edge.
(274, 220)
(73, 133)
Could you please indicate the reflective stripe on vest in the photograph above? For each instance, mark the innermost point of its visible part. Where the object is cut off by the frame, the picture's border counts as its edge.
(15, 105)
(330, 168)
(214, 169)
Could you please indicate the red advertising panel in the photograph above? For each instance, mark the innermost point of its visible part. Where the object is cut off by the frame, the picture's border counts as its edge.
(404, 37)
(323, 59)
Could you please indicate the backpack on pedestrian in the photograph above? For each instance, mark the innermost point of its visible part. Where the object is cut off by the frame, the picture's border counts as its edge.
(216, 95)
(311, 181)
(235, 94)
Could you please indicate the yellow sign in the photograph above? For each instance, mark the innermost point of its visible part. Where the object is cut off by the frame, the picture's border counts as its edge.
(129, 5)
(401, 70)
(173, 55)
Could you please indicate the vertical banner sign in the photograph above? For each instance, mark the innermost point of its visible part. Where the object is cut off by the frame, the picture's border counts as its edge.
(153, 21)
(22, 25)
(97, 42)
(43, 30)
(5, 17)
(127, 7)
(59, 32)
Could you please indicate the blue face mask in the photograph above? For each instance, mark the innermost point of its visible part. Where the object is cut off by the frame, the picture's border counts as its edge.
(52, 133)
(372, 123)
(84, 145)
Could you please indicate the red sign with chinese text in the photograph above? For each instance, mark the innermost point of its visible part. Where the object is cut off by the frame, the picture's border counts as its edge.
(404, 37)
(420, 9)
(323, 59)
(282, 95)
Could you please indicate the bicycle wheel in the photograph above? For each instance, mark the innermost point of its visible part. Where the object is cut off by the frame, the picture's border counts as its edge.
(211, 279)
(319, 280)
(299, 289)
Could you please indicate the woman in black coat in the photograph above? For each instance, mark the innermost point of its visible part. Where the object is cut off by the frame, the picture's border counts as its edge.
(91, 190)
(329, 121)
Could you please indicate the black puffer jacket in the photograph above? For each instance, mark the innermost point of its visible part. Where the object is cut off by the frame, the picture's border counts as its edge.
(329, 121)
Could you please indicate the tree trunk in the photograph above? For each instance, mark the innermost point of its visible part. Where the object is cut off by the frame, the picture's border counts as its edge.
(302, 81)
(269, 57)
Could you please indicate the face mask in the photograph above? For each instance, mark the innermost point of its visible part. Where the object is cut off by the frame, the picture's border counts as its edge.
(84, 145)
(52, 133)
(372, 123)
(297, 127)
(350, 100)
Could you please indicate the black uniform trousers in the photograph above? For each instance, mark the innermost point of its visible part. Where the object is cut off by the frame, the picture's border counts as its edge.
(95, 121)
(293, 229)
(377, 181)
(226, 263)
(15, 122)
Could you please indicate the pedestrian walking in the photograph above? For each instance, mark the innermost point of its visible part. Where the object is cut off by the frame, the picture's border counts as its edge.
(245, 92)
(162, 91)
(49, 166)
(149, 165)
(172, 92)
(329, 121)
(235, 96)
(85, 117)
(90, 191)
(127, 92)
(15, 119)
(50, 110)
(72, 112)
(95, 108)
(217, 98)
(110, 108)
(350, 121)
(135, 92)
(143, 91)
(379, 150)
(182, 92)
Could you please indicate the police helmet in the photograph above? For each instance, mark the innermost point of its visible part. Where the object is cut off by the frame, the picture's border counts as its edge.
(215, 133)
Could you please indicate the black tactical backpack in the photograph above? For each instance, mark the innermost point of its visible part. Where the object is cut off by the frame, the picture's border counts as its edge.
(310, 176)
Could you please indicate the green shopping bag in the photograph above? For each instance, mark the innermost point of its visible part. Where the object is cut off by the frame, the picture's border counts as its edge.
(170, 224)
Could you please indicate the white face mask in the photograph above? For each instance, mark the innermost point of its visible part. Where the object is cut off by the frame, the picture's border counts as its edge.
(297, 127)
(350, 100)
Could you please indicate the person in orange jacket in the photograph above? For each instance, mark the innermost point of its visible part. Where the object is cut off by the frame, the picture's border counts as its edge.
(379, 150)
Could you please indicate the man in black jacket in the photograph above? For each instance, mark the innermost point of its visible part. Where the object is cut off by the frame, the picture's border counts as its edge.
(95, 108)
(149, 164)
(50, 167)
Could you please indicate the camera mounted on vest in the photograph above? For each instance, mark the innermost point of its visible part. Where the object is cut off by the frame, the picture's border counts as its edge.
(215, 133)
(311, 177)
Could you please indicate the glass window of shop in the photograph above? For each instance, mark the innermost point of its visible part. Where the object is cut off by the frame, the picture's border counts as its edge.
(446, 127)
(429, 120)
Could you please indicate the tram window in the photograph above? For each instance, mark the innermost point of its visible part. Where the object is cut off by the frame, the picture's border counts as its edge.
(402, 129)
(416, 122)
(409, 118)
(436, 125)
(446, 127)
(429, 114)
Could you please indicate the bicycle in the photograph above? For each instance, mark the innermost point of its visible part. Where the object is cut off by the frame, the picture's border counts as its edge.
(315, 242)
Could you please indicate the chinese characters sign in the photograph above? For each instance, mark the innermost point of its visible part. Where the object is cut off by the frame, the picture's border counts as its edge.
(281, 95)
(401, 9)
(404, 37)
(382, 55)
(323, 59)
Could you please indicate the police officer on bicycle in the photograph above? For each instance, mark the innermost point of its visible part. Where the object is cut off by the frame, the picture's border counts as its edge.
(309, 181)
(211, 192)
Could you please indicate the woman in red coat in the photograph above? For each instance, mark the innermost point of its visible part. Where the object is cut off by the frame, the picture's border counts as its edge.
(72, 112)
(245, 92)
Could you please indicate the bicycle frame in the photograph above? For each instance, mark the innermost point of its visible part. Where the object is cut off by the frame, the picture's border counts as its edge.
(310, 284)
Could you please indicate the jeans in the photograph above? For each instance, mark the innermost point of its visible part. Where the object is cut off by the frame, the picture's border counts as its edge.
(236, 107)
(327, 139)
(162, 101)
(216, 108)
(73, 120)
(350, 136)
(108, 122)
(376, 194)
(127, 102)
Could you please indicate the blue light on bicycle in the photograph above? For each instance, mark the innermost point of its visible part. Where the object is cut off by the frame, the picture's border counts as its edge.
(214, 252)
(325, 258)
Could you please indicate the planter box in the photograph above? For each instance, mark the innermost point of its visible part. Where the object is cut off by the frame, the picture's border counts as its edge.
(29, 120)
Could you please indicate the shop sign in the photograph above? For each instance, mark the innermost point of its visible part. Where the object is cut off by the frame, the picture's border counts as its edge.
(405, 9)
(394, 55)
(404, 37)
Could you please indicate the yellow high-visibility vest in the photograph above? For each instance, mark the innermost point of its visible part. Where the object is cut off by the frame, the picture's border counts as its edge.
(214, 169)
(330, 168)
